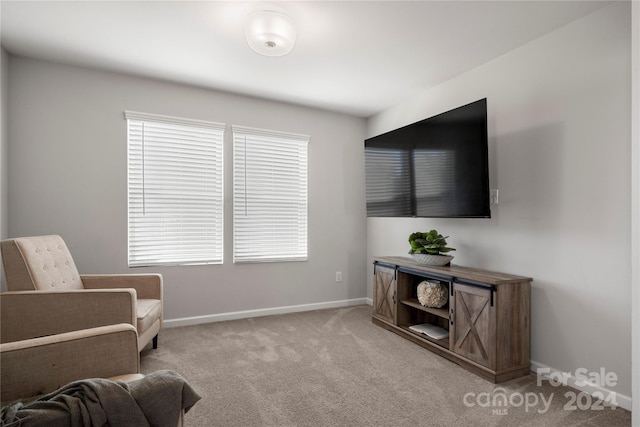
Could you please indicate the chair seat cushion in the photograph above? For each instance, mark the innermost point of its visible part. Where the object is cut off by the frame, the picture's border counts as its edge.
(148, 311)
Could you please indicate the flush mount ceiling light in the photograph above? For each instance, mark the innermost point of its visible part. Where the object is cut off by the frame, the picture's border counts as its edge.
(270, 33)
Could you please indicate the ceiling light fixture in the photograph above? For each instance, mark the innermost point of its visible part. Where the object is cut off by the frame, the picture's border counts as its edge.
(270, 33)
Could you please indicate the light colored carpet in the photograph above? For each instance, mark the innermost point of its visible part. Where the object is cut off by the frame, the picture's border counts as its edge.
(335, 368)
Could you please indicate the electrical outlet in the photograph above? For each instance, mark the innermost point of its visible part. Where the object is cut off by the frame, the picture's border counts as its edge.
(338, 276)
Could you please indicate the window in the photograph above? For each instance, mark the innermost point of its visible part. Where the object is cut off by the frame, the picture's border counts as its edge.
(269, 196)
(175, 190)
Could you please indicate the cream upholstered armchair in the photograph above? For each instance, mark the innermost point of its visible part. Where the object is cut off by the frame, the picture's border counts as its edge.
(45, 291)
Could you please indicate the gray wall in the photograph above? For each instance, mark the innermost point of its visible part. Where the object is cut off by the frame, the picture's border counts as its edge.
(67, 175)
(559, 120)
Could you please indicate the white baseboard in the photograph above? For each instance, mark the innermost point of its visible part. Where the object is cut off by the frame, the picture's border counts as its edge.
(572, 381)
(210, 318)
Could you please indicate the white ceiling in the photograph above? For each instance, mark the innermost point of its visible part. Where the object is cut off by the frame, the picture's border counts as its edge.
(356, 57)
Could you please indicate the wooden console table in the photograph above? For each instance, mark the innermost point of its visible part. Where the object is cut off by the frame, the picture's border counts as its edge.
(487, 315)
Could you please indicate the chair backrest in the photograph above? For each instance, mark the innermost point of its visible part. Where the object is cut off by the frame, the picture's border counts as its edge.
(39, 263)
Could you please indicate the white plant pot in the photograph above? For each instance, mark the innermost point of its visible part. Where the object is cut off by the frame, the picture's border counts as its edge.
(428, 259)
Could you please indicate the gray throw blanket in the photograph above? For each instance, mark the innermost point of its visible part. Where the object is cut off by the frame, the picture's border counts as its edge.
(155, 400)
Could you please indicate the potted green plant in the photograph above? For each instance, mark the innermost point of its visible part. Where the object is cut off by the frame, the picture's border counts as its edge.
(430, 248)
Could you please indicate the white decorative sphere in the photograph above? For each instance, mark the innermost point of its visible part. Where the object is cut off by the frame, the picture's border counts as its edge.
(432, 294)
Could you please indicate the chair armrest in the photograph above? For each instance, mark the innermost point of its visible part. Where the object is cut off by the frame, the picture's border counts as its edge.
(31, 314)
(41, 365)
(148, 286)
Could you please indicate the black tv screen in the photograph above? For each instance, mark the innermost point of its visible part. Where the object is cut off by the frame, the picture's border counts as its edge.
(437, 167)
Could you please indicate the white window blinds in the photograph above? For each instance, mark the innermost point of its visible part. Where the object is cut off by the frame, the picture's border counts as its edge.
(175, 190)
(269, 196)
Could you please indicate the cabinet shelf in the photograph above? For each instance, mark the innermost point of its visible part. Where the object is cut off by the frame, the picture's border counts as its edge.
(413, 302)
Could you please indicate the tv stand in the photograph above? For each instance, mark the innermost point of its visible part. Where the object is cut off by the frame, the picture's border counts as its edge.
(487, 314)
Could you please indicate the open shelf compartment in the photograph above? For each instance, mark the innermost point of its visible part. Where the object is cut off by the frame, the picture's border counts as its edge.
(411, 312)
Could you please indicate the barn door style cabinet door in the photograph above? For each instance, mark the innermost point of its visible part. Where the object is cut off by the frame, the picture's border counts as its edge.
(472, 333)
(484, 326)
(384, 293)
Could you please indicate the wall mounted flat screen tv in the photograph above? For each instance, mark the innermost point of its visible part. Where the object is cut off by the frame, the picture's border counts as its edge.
(436, 168)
